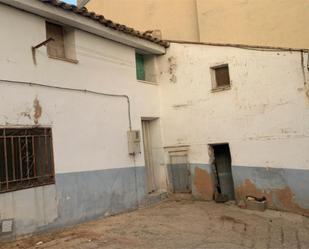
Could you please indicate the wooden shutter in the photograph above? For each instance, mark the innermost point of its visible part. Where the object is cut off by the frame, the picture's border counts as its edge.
(140, 67)
(55, 48)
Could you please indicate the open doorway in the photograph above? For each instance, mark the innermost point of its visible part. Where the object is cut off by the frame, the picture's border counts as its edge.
(147, 143)
(223, 170)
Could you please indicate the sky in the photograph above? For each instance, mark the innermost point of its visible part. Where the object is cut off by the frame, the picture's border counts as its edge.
(70, 1)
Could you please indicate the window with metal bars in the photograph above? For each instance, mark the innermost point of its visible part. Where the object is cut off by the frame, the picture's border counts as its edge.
(26, 158)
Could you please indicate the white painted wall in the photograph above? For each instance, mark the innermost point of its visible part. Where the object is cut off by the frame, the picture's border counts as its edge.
(31, 208)
(264, 116)
(89, 132)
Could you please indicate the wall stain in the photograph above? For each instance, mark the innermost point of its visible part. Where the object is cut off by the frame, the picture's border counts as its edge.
(26, 114)
(37, 110)
(279, 199)
(203, 183)
(172, 69)
(178, 106)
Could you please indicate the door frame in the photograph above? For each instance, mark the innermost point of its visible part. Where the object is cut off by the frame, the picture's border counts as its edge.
(148, 156)
(215, 168)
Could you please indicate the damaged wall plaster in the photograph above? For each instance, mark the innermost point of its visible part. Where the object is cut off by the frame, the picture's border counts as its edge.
(37, 110)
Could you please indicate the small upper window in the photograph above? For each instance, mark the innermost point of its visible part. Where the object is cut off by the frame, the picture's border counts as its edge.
(221, 77)
(146, 67)
(63, 44)
(140, 67)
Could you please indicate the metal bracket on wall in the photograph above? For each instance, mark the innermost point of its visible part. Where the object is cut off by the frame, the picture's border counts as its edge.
(34, 48)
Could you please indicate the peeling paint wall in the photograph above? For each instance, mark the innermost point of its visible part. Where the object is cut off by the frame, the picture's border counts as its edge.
(284, 189)
(264, 116)
(89, 131)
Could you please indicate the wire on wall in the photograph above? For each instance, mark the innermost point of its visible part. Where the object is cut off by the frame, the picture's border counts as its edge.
(76, 90)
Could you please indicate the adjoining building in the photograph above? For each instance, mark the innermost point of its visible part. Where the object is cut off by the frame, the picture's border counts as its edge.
(98, 118)
(280, 23)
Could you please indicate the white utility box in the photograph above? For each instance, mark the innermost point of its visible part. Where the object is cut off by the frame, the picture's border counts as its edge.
(134, 142)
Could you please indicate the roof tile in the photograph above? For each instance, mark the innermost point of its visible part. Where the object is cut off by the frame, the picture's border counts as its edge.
(107, 23)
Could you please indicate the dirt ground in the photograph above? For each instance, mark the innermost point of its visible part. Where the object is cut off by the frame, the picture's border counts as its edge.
(181, 224)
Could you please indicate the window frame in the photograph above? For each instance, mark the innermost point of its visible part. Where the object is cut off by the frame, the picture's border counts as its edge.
(150, 68)
(140, 67)
(23, 164)
(215, 86)
(64, 30)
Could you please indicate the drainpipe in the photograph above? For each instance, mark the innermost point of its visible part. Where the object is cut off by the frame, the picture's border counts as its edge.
(82, 3)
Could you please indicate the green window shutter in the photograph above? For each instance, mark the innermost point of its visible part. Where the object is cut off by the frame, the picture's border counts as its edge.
(140, 68)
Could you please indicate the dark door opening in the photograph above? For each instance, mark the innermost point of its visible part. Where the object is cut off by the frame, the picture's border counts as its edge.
(223, 167)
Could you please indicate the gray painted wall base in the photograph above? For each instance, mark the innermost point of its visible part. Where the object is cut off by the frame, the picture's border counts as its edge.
(272, 180)
(76, 197)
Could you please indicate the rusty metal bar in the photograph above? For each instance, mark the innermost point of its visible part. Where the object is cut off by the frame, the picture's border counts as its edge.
(22, 136)
(6, 163)
(30, 178)
(36, 157)
(33, 158)
(52, 162)
(27, 158)
(20, 159)
(43, 43)
(45, 153)
(13, 157)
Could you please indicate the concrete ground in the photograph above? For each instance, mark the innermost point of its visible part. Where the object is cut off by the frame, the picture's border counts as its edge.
(181, 224)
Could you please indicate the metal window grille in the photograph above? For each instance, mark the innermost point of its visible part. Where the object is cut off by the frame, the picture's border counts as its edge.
(26, 158)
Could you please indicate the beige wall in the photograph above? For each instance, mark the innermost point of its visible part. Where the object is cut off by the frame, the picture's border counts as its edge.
(175, 18)
(253, 22)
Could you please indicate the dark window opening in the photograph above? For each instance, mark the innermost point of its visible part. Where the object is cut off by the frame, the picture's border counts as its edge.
(26, 158)
(221, 76)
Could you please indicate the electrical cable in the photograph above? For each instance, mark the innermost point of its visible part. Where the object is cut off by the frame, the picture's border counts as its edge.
(242, 46)
(89, 92)
(75, 90)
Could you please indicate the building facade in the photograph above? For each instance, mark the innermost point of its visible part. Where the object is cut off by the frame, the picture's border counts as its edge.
(105, 119)
(94, 175)
(261, 23)
(262, 115)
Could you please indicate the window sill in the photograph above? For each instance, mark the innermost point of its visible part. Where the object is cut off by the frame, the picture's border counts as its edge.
(148, 82)
(63, 59)
(222, 88)
(29, 187)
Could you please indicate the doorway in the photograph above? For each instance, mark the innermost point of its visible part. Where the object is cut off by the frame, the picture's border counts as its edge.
(223, 168)
(149, 162)
(179, 171)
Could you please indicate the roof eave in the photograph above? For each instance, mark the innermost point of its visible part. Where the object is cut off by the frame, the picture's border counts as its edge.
(82, 23)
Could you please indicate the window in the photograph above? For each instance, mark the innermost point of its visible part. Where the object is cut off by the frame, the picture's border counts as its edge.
(220, 77)
(26, 158)
(140, 67)
(63, 45)
(146, 67)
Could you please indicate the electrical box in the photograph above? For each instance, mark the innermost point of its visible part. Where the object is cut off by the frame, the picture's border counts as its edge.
(134, 142)
(6, 226)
